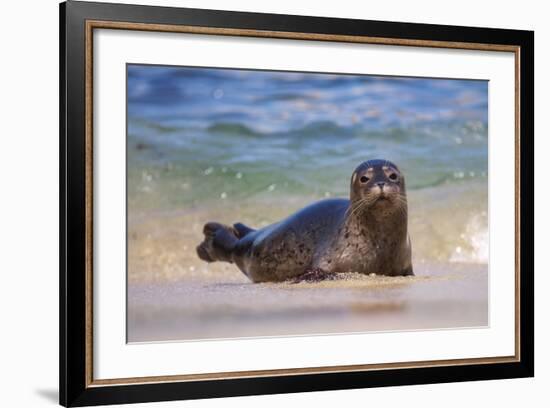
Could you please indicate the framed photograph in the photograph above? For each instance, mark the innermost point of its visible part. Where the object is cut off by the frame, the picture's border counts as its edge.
(256, 203)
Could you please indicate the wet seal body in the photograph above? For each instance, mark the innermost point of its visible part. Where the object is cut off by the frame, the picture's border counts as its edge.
(365, 234)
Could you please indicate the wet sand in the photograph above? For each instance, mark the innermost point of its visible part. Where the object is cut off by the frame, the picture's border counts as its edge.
(438, 297)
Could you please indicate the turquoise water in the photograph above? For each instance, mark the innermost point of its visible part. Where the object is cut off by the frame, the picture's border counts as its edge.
(200, 138)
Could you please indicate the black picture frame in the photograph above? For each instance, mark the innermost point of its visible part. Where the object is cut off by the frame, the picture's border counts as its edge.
(75, 386)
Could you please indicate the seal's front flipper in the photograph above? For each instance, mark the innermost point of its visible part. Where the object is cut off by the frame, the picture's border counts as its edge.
(242, 229)
(314, 275)
(408, 271)
(219, 242)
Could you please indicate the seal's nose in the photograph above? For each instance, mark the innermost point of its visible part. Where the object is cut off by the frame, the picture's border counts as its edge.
(381, 184)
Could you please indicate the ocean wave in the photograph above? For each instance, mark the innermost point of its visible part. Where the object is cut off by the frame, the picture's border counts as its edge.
(230, 128)
(476, 242)
(447, 131)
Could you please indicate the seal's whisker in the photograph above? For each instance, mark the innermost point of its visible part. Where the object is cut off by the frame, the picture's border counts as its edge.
(363, 203)
(401, 204)
(353, 210)
(353, 206)
(367, 202)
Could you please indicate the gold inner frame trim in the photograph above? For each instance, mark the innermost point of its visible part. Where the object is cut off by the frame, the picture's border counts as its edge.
(298, 371)
(118, 25)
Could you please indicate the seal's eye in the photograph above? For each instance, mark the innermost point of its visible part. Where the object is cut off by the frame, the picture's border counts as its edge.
(393, 176)
(364, 179)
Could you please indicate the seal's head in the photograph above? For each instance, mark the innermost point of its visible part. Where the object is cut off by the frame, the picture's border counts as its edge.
(378, 184)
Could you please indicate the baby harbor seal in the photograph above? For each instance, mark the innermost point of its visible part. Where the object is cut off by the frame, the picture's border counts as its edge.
(365, 234)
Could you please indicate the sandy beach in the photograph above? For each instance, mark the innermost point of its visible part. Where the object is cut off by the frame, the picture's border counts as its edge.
(231, 306)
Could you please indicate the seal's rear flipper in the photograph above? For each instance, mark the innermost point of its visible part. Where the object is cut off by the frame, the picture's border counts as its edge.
(242, 229)
(218, 244)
